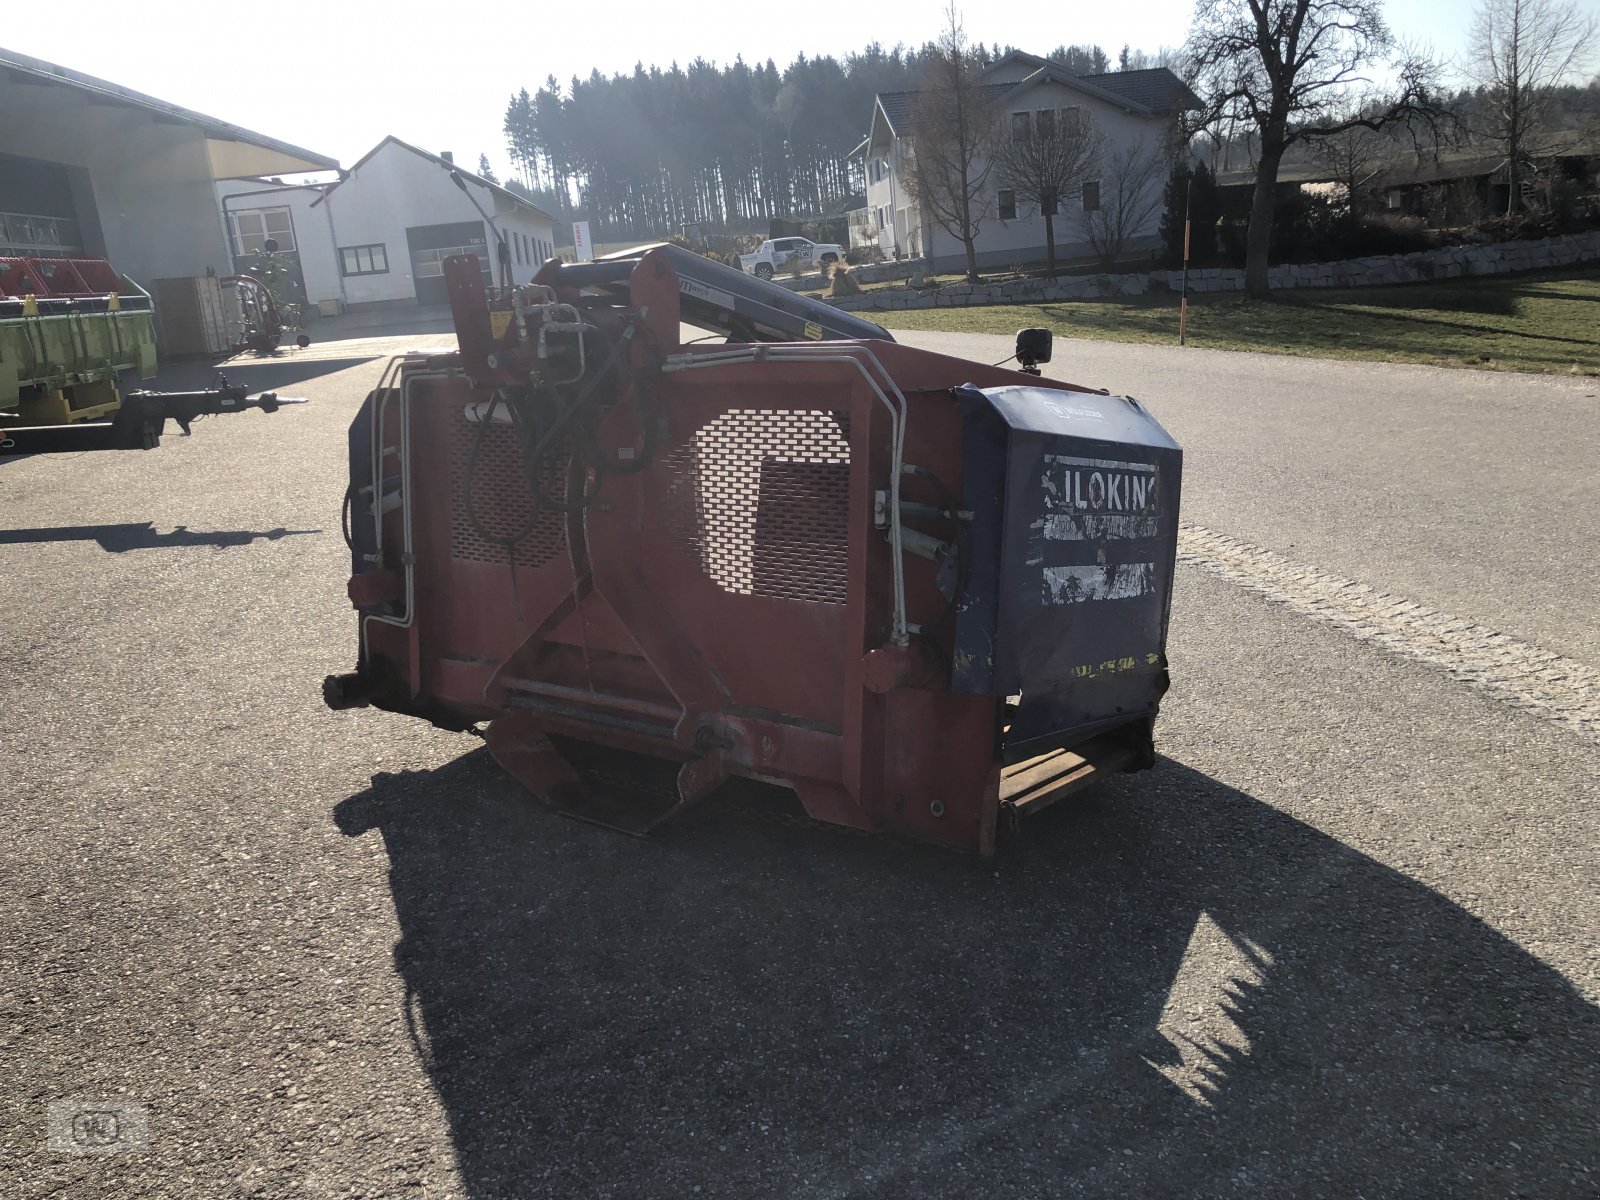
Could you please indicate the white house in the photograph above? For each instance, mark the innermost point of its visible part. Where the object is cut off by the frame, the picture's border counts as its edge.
(379, 235)
(1134, 111)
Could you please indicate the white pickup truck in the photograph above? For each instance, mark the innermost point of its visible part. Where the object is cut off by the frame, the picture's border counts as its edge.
(779, 253)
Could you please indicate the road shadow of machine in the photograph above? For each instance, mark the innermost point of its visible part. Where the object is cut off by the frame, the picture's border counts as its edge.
(925, 594)
(1173, 989)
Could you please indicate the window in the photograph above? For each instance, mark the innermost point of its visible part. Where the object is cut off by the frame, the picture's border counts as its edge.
(1048, 207)
(253, 227)
(1091, 195)
(430, 263)
(1044, 122)
(26, 235)
(1019, 127)
(1008, 205)
(364, 260)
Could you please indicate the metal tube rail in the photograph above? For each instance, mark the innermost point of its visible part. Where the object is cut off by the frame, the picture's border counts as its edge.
(407, 554)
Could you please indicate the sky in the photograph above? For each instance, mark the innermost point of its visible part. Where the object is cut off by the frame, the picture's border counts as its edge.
(337, 76)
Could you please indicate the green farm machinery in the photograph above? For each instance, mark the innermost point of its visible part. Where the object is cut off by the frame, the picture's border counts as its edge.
(71, 331)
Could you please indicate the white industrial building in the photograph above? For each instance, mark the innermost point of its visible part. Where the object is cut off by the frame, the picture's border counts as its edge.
(1134, 112)
(379, 235)
(177, 201)
(89, 168)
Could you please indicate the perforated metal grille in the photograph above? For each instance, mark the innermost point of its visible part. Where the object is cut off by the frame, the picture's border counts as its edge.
(501, 498)
(761, 497)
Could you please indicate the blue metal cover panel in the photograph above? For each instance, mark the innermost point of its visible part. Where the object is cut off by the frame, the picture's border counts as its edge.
(1075, 505)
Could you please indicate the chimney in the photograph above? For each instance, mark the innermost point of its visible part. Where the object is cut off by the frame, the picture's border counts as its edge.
(448, 157)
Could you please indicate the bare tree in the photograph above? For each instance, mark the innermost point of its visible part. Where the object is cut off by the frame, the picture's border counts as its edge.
(1355, 158)
(1297, 70)
(953, 131)
(1127, 197)
(1173, 58)
(1521, 50)
(1046, 163)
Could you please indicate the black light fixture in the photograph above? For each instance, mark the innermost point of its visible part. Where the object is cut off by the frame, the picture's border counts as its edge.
(1033, 348)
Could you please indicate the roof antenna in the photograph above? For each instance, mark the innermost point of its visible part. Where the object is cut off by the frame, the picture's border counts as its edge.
(502, 248)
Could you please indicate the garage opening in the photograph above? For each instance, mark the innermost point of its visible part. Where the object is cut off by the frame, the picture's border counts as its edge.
(430, 245)
(40, 207)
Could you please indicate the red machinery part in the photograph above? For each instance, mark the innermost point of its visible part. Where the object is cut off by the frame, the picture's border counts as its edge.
(706, 568)
(60, 279)
(19, 278)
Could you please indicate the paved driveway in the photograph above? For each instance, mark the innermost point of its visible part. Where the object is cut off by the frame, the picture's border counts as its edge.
(1339, 942)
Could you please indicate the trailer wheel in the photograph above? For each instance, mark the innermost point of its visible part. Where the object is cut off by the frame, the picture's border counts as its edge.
(763, 270)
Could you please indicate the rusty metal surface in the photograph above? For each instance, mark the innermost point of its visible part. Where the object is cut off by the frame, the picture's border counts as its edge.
(696, 567)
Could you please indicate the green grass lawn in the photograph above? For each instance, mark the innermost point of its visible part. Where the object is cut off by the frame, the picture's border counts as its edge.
(1546, 323)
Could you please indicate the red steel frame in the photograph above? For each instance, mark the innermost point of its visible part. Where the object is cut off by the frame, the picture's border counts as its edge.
(620, 636)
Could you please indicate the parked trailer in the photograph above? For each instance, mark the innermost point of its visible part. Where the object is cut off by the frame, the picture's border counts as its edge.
(926, 594)
(71, 329)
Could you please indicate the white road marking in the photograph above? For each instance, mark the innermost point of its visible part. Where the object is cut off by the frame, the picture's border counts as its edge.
(1541, 682)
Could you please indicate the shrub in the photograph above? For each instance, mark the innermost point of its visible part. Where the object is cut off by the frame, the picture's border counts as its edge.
(1231, 235)
(1452, 204)
(1311, 227)
(1205, 209)
(1389, 233)
(844, 282)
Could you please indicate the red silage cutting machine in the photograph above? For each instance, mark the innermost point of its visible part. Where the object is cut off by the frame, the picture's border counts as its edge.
(923, 593)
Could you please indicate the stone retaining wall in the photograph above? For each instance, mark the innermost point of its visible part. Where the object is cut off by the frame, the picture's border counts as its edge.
(1448, 262)
(876, 273)
(882, 272)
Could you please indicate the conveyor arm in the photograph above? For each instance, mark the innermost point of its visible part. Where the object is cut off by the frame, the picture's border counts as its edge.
(717, 297)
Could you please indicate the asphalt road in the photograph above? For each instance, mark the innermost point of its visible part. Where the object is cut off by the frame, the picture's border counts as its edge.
(1341, 941)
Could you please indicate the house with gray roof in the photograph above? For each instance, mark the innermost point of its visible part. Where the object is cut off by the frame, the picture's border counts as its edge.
(378, 236)
(1135, 113)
